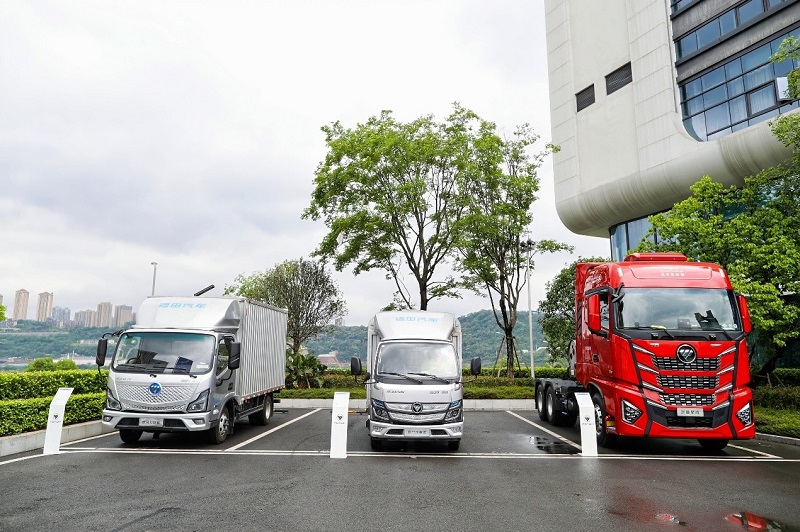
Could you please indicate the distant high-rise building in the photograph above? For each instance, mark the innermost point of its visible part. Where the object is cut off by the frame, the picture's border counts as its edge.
(86, 318)
(21, 304)
(122, 315)
(61, 314)
(104, 314)
(44, 306)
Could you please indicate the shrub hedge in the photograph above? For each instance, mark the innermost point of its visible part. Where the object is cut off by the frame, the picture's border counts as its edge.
(25, 415)
(46, 383)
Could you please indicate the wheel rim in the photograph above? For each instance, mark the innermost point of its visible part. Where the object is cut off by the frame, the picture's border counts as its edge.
(268, 408)
(549, 406)
(224, 422)
(598, 419)
(539, 400)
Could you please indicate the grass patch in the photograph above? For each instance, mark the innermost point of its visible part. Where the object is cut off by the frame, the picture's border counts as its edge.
(778, 422)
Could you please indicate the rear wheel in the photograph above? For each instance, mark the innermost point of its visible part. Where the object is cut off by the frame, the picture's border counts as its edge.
(130, 435)
(220, 433)
(713, 444)
(604, 439)
(540, 402)
(262, 416)
(553, 415)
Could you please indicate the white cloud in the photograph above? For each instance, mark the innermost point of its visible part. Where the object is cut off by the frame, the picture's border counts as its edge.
(187, 133)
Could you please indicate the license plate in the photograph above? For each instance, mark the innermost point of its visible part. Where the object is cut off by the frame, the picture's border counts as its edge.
(145, 422)
(690, 412)
(417, 432)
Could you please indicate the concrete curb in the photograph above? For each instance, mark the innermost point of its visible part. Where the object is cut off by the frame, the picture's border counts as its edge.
(29, 441)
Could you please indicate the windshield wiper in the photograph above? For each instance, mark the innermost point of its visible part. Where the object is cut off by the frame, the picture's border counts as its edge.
(418, 381)
(434, 377)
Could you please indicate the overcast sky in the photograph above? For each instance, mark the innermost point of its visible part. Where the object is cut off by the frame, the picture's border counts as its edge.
(188, 133)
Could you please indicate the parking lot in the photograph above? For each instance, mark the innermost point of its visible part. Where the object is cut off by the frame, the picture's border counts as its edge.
(511, 472)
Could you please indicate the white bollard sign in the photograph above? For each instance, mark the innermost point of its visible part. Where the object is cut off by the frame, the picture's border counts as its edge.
(55, 421)
(586, 417)
(341, 405)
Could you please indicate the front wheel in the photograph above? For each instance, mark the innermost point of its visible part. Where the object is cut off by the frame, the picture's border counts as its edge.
(453, 445)
(540, 403)
(713, 444)
(220, 433)
(604, 439)
(130, 435)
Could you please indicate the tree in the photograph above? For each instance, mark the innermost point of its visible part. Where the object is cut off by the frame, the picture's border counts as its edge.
(392, 195)
(558, 309)
(302, 287)
(42, 364)
(498, 213)
(2, 313)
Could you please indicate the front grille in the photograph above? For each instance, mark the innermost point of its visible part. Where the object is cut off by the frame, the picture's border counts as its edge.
(687, 399)
(681, 382)
(408, 407)
(417, 418)
(140, 393)
(673, 364)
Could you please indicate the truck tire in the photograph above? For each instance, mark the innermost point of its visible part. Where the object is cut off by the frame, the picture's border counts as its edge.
(553, 415)
(262, 416)
(375, 444)
(713, 444)
(130, 435)
(540, 407)
(453, 445)
(220, 433)
(604, 439)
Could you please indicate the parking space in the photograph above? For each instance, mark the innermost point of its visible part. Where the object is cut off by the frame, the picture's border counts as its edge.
(487, 434)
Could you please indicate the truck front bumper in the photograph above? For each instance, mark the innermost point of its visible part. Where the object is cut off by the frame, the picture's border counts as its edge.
(392, 431)
(158, 422)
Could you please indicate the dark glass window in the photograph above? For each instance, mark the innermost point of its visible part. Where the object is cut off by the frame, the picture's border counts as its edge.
(708, 34)
(687, 45)
(718, 117)
(735, 86)
(713, 78)
(762, 99)
(749, 10)
(727, 22)
(585, 98)
(758, 77)
(756, 58)
(738, 108)
(715, 96)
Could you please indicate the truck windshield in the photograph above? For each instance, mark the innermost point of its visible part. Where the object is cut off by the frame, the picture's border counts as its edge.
(419, 359)
(690, 309)
(164, 352)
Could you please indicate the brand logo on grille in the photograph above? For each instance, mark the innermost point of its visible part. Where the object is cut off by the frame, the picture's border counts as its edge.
(155, 388)
(686, 354)
(417, 408)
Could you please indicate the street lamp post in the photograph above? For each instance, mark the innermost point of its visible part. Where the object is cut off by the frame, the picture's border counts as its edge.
(153, 291)
(527, 245)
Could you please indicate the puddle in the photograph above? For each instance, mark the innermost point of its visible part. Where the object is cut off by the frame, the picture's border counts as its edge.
(552, 446)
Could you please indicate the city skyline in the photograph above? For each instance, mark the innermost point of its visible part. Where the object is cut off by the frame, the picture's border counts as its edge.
(105, 313)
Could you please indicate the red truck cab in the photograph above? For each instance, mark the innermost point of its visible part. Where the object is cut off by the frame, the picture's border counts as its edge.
(661, 347)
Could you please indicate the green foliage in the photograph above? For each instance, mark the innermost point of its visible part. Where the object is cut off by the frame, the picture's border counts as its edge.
(2, 313)
(778, 422)
(304, 371)
(357, 392)
(46, 340)
(304, 288)
(42, 364)
(778, 397)
(45, 384)
(498, 392)
(349, 342)
(26, 415)
(558, 310)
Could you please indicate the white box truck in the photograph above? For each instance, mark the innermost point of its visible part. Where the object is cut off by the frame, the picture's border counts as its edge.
(195, 364)
(413, 380)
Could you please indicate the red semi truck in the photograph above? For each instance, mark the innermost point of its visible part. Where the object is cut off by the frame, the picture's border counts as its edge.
(660, 347)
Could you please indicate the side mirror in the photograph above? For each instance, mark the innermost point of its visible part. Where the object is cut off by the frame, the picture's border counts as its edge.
(475, 366)
(594, 312)
(102, 349)
(355, 366)
(235, 355)
(747, 326)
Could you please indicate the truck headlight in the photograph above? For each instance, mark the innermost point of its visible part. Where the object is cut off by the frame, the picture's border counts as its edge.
(454, 411)
(745, 415)
(379, 410)
(111, 401)
(200, 404)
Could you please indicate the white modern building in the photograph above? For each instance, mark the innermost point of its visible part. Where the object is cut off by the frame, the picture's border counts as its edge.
(648, 96)
(44, 306)
(21, 304)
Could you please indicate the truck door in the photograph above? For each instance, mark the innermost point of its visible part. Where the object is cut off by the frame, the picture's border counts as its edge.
(225, 377)
(601, 357)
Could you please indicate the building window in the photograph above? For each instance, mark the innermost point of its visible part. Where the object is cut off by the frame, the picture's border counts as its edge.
(718, 28)
(585, 98)
(627, 236)
(737, 94)
(677, 5)
(619, 78)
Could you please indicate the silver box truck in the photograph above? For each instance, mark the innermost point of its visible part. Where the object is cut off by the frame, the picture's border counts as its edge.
(413, 380)
(195, 364)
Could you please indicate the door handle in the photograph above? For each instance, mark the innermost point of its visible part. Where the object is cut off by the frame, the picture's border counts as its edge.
(595, 358)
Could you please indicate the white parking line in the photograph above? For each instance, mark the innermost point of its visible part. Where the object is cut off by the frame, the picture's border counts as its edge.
(279, 427)
(753, 451)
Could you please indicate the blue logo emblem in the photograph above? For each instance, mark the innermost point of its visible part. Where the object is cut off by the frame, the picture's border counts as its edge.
(155, 388)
